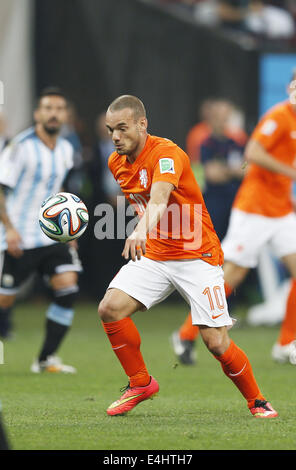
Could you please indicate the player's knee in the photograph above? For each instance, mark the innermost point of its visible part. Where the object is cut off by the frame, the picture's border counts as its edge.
(117, 305)
(67, 296)
(216, 343)
(6, 301)
(108, 311)
(63, 280)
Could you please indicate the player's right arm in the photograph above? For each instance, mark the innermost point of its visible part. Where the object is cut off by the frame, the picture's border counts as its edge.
(256, 153)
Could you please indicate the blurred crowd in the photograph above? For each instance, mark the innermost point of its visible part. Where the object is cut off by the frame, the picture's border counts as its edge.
(268, 19)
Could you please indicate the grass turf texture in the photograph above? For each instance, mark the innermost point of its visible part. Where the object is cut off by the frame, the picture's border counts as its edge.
(197, 408)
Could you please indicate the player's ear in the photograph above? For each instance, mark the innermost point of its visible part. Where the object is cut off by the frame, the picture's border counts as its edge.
(143, 123)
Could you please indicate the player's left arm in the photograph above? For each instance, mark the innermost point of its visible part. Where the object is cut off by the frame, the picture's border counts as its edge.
(135, 244)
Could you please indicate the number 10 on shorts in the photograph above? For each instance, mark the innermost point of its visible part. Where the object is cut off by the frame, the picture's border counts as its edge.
(215, 296)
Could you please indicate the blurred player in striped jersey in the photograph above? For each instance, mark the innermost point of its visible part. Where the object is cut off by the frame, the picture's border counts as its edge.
(180, 252)
(33, 167)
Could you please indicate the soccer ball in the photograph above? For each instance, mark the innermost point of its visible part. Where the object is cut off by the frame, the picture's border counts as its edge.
(63, 217)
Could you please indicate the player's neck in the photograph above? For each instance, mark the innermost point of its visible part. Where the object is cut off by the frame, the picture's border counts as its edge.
(133, 156)
(48, 140)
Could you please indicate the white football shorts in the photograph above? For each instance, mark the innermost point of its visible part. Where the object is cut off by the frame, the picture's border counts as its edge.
(199, 283)
(247, 234)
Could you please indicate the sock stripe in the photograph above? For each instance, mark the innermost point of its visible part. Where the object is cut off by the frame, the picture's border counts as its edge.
(238, 373)
(118, 347)
(67, 290)
(57, 313)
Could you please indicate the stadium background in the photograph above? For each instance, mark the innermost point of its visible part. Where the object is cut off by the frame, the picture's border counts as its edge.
(98, 49)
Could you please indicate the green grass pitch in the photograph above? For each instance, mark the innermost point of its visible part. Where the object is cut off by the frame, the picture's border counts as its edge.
(197, 408)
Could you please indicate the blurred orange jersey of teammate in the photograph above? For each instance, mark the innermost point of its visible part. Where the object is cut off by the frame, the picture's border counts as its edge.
(263, 191)
(188, 231)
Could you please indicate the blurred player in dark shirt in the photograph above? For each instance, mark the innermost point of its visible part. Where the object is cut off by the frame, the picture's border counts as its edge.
(222, 159)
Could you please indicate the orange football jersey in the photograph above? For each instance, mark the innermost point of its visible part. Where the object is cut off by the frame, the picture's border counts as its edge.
(262, 191)
(185, 231)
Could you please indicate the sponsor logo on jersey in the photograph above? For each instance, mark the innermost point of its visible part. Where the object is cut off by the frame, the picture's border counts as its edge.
(166, 165)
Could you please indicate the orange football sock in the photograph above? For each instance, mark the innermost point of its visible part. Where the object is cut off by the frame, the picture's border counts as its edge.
(188, 332)
(288, 327)
(125, 340)
(237, 367)
(228, 289)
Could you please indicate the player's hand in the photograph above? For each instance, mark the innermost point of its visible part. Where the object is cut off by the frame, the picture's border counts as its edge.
(13, 240)
(135, 246)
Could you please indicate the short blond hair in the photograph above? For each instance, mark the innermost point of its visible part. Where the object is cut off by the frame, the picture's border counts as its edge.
(130, 102)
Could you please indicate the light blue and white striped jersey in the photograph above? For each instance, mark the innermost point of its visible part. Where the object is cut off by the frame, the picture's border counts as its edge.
(33, 172)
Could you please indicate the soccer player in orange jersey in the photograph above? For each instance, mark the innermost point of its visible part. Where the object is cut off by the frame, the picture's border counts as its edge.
(174, 246)
(263, 213)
